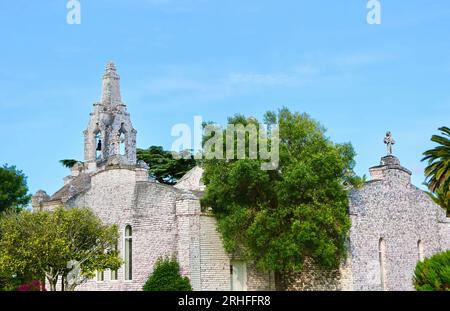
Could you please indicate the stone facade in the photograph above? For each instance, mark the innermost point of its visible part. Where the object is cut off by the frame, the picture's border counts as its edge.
(387, 212)
(165, 220)
(395, 223)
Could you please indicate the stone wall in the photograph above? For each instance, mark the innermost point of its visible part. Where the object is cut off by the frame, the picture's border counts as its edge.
(148, 207)
(315, 278)
(444, 232)
(188, 236)
(165, 221)
(390, 208)
(259, 280)
(214, 261)
(168, 221)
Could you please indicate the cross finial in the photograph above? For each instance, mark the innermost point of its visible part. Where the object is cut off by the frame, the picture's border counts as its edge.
(389, 141)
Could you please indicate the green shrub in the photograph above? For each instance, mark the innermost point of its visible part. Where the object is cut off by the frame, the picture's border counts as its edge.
(433, 274)
(166, 277)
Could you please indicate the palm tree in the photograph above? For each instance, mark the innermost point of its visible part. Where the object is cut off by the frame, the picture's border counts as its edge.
(69, 163)
(438, 170)
(441, 200)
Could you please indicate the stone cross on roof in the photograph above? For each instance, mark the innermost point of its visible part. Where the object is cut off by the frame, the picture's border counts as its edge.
(389, 141)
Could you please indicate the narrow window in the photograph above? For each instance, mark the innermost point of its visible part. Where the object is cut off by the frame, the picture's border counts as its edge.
(382, 259)
(420, 251)
(238, 273)
(128, 253)
(114, 272)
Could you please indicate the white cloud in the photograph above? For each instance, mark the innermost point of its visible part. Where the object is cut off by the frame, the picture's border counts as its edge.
(264, 79)
(175, 85)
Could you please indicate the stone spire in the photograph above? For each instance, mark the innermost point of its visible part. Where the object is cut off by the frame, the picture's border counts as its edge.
(111, 86)
(110, 137)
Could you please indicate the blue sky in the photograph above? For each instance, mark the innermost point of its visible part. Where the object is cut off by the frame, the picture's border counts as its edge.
(215, 58)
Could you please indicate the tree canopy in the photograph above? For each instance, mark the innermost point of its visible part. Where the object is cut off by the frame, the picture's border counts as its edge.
(438, 169)
(71, 244)
(278, 218)
(13, 189)
(163, 166)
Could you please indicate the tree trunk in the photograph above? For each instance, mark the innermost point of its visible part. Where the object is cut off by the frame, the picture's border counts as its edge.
(52, 284)
(52, 280)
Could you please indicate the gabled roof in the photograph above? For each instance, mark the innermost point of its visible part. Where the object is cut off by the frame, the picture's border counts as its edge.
(75, 186)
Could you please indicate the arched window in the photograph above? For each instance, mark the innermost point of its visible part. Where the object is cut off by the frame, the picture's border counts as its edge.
(382, 259)
(98, 145)
(128, 253)
(420, 251)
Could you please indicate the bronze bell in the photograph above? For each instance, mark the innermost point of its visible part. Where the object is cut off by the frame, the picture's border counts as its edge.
(99, 146)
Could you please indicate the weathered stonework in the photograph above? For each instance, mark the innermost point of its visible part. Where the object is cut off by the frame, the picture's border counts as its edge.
(168, 221)
(389, 207)
(314, 278)
(165, 220)
(390, 217)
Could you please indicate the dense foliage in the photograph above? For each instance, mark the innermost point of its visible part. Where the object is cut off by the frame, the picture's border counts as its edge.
(277, 218)
(13, 189)
(163, 166)
(166, 277)
(438, 169)
(433, 274)
(38, 245)
(441, 199)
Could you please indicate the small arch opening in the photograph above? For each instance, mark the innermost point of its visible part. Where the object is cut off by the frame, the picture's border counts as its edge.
(122, 137)
(98, 145)
(420, 250)
(122, 148)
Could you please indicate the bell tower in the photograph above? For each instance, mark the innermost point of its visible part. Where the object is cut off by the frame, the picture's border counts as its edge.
(110, 137)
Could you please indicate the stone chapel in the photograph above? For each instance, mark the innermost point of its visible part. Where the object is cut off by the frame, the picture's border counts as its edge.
(394, 223)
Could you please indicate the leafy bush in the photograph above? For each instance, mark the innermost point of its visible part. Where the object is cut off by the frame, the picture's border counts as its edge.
(166, 277)
(433, 274)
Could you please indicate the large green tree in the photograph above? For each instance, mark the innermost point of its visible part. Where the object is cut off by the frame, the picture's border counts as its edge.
(13, 189)
(163, 166)
(438, 169)
(68, 244)
(278, 218)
